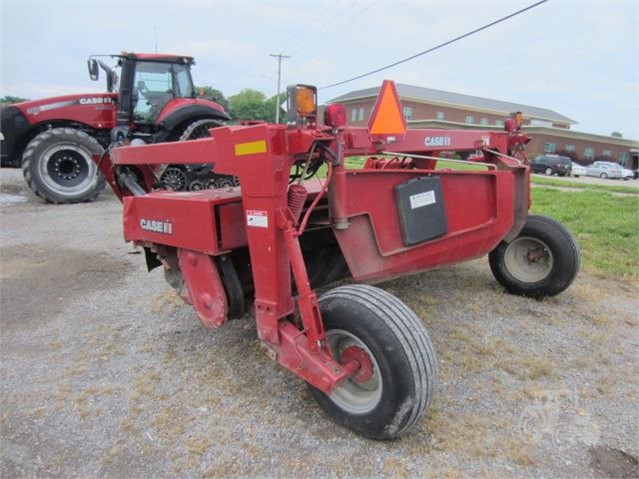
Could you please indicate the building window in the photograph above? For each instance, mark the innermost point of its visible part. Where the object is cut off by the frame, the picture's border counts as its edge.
(440, 115)
(483, 121)
(606, 153)
(470, 120)
(589, 153)
(360, 117)
(499, 123)
(570, 148)
(549, 147)
(408, 112)
(624, 158)
(354, 114)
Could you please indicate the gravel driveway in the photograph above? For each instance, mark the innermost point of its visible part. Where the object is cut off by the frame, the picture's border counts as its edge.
(105, 373)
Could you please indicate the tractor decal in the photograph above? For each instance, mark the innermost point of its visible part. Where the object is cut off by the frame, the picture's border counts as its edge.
(51, 106)
(95, 101)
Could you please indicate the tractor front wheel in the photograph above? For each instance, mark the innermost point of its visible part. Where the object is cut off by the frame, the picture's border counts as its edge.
(58, 167)
(395, 382)
(542, 261)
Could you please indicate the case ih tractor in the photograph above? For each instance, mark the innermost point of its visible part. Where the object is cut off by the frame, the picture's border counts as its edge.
(151, 100)
(264, 247)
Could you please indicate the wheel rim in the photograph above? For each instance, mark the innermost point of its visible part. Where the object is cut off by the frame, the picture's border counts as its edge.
(528, 259)
(548, 171)
(353, 396)
(226, 183)
(174, 179)
(67, 169)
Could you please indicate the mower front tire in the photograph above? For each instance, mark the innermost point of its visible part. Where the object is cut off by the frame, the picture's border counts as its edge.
(543, 260)
(395, 383)
(58, 167)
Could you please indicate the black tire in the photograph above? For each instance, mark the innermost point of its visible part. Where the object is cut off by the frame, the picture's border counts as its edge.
(548, 171)
(199, 129)
(58, 168)
(603, 176)
(542, 261)
(403, 361)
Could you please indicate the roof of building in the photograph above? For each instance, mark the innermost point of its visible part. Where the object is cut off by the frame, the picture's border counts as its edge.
(532, 129)
(438, 96)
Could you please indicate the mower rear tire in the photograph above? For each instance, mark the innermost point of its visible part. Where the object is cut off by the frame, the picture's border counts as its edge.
(395, 384)
(58, 167)
(543, 260)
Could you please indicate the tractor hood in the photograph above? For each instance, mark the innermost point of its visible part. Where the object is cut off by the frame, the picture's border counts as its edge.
(84, 107)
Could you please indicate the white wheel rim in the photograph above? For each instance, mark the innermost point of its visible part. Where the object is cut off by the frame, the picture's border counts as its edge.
(528, 259)
(54, 184)
(351, 396)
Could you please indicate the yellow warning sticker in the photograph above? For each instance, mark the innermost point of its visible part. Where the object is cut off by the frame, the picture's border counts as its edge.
(250, 148)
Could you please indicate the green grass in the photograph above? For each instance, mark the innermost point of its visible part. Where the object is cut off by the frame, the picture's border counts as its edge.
(606, 226)
(586, 186)
(357, 162)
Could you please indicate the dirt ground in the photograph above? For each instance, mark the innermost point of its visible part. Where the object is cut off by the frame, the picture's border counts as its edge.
(105, 373)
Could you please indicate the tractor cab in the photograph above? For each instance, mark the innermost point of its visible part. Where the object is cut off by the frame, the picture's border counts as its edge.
(147, 84)
(155, 84)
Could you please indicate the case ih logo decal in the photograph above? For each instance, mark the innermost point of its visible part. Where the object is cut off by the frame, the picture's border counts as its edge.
(62, 104)
(163, 227)
(95, 100)
(437, 141)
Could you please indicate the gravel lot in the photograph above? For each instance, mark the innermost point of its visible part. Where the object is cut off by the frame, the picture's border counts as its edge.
(105, 373)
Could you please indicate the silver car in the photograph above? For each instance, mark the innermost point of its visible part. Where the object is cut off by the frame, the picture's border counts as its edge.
(604, 169)
(578, 170)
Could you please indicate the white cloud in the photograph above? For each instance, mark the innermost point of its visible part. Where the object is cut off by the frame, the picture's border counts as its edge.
(580, 59)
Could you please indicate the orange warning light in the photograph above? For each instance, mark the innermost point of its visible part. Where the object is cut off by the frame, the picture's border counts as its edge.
(387, 117)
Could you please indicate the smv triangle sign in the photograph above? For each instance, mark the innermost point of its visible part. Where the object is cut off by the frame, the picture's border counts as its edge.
(387, 117)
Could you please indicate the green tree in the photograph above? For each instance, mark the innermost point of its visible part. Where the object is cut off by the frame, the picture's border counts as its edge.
(616, 134)
(10, 100)
(274, 102)
(212, 94)
(249, 104)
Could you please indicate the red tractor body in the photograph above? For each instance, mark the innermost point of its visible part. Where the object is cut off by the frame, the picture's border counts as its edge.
(153, 100)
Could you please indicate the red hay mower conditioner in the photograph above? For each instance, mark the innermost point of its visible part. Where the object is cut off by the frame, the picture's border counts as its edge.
(264, 246)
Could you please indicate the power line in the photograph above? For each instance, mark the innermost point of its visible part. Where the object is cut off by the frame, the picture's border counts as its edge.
(438, 46)
(318, 41)
(291, 38)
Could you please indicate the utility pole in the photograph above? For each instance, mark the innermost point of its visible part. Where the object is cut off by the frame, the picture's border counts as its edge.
(279, 57)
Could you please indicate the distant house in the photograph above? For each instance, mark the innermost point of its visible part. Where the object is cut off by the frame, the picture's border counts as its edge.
(428, 108)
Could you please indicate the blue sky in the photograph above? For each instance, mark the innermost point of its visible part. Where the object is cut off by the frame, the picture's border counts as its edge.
(577, 58)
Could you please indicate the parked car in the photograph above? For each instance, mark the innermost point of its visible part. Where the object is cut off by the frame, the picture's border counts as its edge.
(604, 169)
(578, 170)
(551, 165)
(627, 174)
